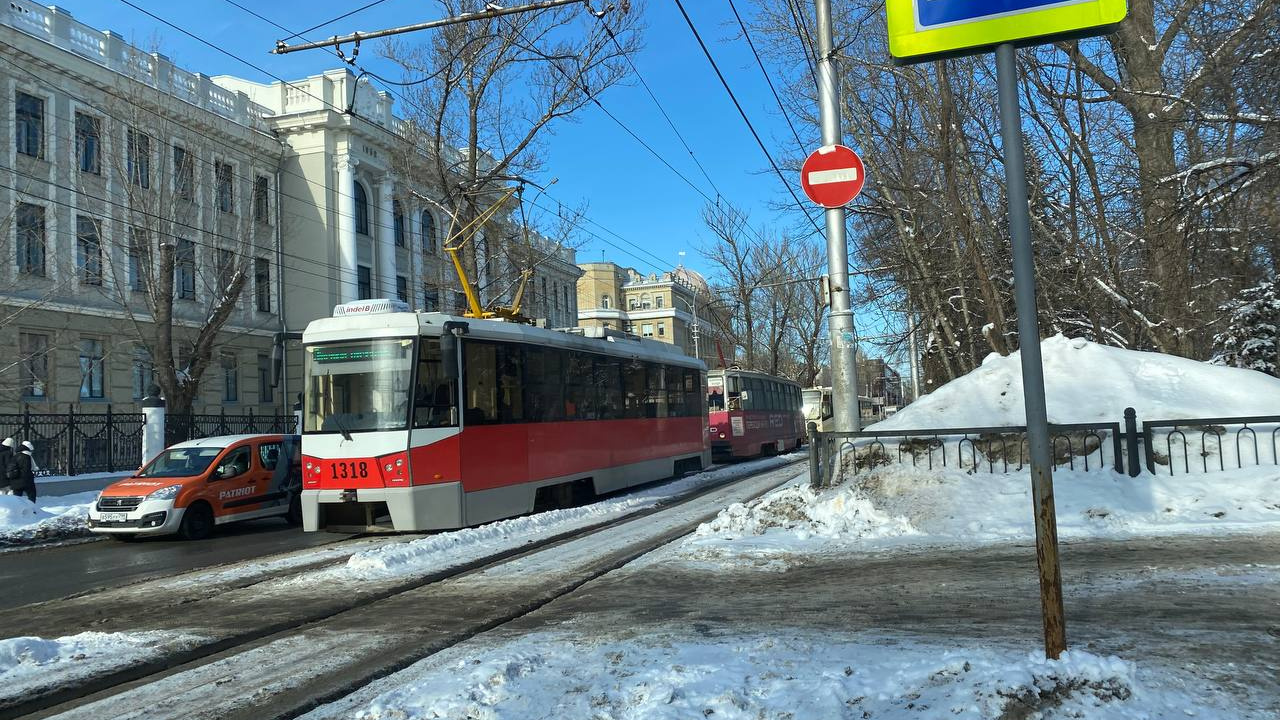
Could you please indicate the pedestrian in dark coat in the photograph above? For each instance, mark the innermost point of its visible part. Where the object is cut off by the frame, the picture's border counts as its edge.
(25, 483)
(8, 465)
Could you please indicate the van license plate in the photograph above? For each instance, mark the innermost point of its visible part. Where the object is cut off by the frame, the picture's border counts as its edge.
(113, 517)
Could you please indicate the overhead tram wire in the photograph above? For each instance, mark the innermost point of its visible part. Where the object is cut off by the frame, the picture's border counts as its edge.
(705, 51)
(805, 39)
(343, 16)
(409, 102)
(304, 91)
(746, 35)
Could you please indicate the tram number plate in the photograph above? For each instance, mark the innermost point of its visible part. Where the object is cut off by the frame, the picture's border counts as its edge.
(349, 470)
(113, 517)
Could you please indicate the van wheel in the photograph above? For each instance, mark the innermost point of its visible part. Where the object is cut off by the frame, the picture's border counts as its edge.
(294, 515)
(197, 522)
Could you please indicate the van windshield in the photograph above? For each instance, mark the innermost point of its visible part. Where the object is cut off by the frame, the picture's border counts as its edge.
(181, 462)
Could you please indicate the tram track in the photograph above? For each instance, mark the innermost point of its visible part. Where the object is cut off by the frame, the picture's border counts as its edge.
(251, 622)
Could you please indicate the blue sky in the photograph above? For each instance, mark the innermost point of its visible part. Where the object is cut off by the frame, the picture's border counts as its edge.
(625, 188)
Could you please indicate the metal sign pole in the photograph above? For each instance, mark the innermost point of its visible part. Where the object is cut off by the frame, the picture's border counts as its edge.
(844, 367)
(1024, 281)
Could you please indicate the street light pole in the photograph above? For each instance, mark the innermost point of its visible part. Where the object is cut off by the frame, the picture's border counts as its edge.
(844, 365)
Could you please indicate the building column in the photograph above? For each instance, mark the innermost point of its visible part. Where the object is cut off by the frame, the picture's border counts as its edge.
(387, 237)
(347, 288)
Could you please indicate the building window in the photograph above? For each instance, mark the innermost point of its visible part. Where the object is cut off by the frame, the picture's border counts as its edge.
(428, 227)
(91, 369)
(223, 179)
(138, 158)
(230, 378)
(261, 199)
(28, 115)
(633, 303)
(184, 174)
(89, 143)
(364, 283)
(30, 239)
(460, 301)
(362, 209)
(35, 364)
(224, 268)
(658, 301)
(402, 288)
(398, 222)
(604, 301)
(266, 393)
(144, 372)
(185, 267)
(645, 302)
(430, 299)
(646, 330)
(262, 284)
(569, 308)
(88, 250)
(139, 259)
(662, 329)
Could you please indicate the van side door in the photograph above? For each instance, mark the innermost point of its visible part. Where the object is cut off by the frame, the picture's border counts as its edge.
(273, 456)
(235, 483)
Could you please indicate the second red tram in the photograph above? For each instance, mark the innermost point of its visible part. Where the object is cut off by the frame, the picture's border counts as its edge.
(423, 421)
(751, 413)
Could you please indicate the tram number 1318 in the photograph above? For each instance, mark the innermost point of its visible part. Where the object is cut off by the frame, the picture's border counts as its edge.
(349, 470)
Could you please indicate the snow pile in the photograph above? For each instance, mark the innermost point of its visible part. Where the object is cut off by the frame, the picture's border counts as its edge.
(557, 676)
(23, 522)
(900, 505)
(30, 664)
(1088, 382)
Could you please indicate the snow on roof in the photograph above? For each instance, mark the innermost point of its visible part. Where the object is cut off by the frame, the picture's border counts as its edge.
(219, 441)
(1088, 382)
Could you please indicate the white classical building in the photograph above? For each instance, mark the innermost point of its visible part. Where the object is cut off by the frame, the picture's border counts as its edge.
(112, 156)
(104, 138)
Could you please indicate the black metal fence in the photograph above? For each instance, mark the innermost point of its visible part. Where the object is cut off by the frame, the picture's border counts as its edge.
(1254, 441)
(1187, 445)
(72, 443)
(1089, 446)
(182, 427)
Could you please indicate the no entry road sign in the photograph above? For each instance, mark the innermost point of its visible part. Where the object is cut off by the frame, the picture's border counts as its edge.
(832, 176)
(928, 29)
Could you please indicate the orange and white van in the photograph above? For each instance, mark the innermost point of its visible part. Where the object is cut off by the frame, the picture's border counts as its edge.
(195, 485)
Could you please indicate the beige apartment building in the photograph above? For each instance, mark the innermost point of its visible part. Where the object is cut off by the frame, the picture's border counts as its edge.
(675, 307)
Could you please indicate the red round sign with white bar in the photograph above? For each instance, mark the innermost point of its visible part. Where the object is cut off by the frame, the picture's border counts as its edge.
(832, 176)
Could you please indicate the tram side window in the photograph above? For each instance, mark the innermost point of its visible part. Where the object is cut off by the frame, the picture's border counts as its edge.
(544, 385)
(481, 363)
(775, 396)
(633, 387)
(510, 383)
(434, 396)
(655, 392)
(608, 385)
(677, 406)
(695, 393)
(751, 387)
(579, 388)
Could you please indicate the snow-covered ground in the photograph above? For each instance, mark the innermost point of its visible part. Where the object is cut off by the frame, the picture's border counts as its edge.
(30, 663)
(896, 506)
(53, 518)
(561, 675)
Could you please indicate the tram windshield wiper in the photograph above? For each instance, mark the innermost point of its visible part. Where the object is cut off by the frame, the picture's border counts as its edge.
(342, 428)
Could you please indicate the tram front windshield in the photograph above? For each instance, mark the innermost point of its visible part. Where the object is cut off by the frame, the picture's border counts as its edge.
(359, 385)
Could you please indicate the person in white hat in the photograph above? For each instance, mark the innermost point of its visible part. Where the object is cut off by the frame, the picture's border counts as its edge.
(8, 465)
(25, 482)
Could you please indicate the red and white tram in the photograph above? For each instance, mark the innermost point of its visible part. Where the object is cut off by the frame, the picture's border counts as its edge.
(421, 421)
(753, 413)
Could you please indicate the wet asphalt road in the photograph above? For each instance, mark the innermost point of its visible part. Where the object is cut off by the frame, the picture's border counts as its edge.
(45, 574)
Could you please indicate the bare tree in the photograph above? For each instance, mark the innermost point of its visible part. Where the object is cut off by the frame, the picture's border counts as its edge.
(483, 96)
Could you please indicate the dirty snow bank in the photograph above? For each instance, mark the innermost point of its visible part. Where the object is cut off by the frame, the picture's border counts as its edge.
(23, 522)
(29, 664)
(458, 547)
(1088, 382)
(900, 505)
(552, 675)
